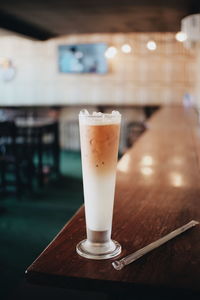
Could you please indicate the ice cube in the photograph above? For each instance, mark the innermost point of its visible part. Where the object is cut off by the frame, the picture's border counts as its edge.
(115, 113)
(97, 114)
(84, 112)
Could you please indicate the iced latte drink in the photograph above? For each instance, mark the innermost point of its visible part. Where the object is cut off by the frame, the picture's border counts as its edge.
(99, 135)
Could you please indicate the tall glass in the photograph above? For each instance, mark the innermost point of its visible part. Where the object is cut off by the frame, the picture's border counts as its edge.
(99, 135)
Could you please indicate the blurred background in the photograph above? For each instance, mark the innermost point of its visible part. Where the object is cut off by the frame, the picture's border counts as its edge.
(56, 58)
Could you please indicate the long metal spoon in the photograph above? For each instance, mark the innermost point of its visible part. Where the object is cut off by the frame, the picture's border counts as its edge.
(119, 264)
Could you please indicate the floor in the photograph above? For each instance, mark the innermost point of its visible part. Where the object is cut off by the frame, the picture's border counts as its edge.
(29, 224)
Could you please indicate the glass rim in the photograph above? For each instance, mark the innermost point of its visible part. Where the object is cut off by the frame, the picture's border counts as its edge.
(84, 114)
(98, 116)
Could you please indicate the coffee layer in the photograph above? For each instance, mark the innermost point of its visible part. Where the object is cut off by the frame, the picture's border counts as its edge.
(99, 147)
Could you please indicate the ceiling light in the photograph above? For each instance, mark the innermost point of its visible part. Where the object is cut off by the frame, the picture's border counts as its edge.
(126, 48)
(111, 52)
(181, 36)
(151, 45)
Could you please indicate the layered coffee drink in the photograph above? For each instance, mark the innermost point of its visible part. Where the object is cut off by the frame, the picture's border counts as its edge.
(99, 135)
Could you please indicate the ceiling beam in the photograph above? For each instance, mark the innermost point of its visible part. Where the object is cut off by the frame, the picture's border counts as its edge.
(13, 23)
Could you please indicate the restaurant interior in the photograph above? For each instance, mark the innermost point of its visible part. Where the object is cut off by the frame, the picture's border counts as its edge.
(57, 58)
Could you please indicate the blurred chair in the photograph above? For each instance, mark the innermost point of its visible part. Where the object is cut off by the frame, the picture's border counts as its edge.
(40, 138)
(133, 132)
(16, 163)
(49, 150)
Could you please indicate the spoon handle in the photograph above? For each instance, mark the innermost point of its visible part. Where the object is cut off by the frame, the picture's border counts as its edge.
(119, 264)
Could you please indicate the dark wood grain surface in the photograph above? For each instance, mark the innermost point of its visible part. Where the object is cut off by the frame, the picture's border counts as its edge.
(158, 190)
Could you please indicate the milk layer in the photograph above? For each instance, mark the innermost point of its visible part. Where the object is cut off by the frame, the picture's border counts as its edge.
(99, 197)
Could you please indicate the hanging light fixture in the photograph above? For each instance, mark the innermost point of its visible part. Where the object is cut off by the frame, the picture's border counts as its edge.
(111, 52)
(190, 25)
(181, 36)
(151, 45)
(126, 48)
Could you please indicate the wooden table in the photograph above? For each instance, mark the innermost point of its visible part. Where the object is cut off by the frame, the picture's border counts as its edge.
(158, 190)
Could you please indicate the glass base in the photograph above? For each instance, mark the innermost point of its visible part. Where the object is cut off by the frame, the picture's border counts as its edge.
(92, 250)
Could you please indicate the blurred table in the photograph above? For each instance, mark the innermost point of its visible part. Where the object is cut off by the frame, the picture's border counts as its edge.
(158, 190)
(42, 136)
